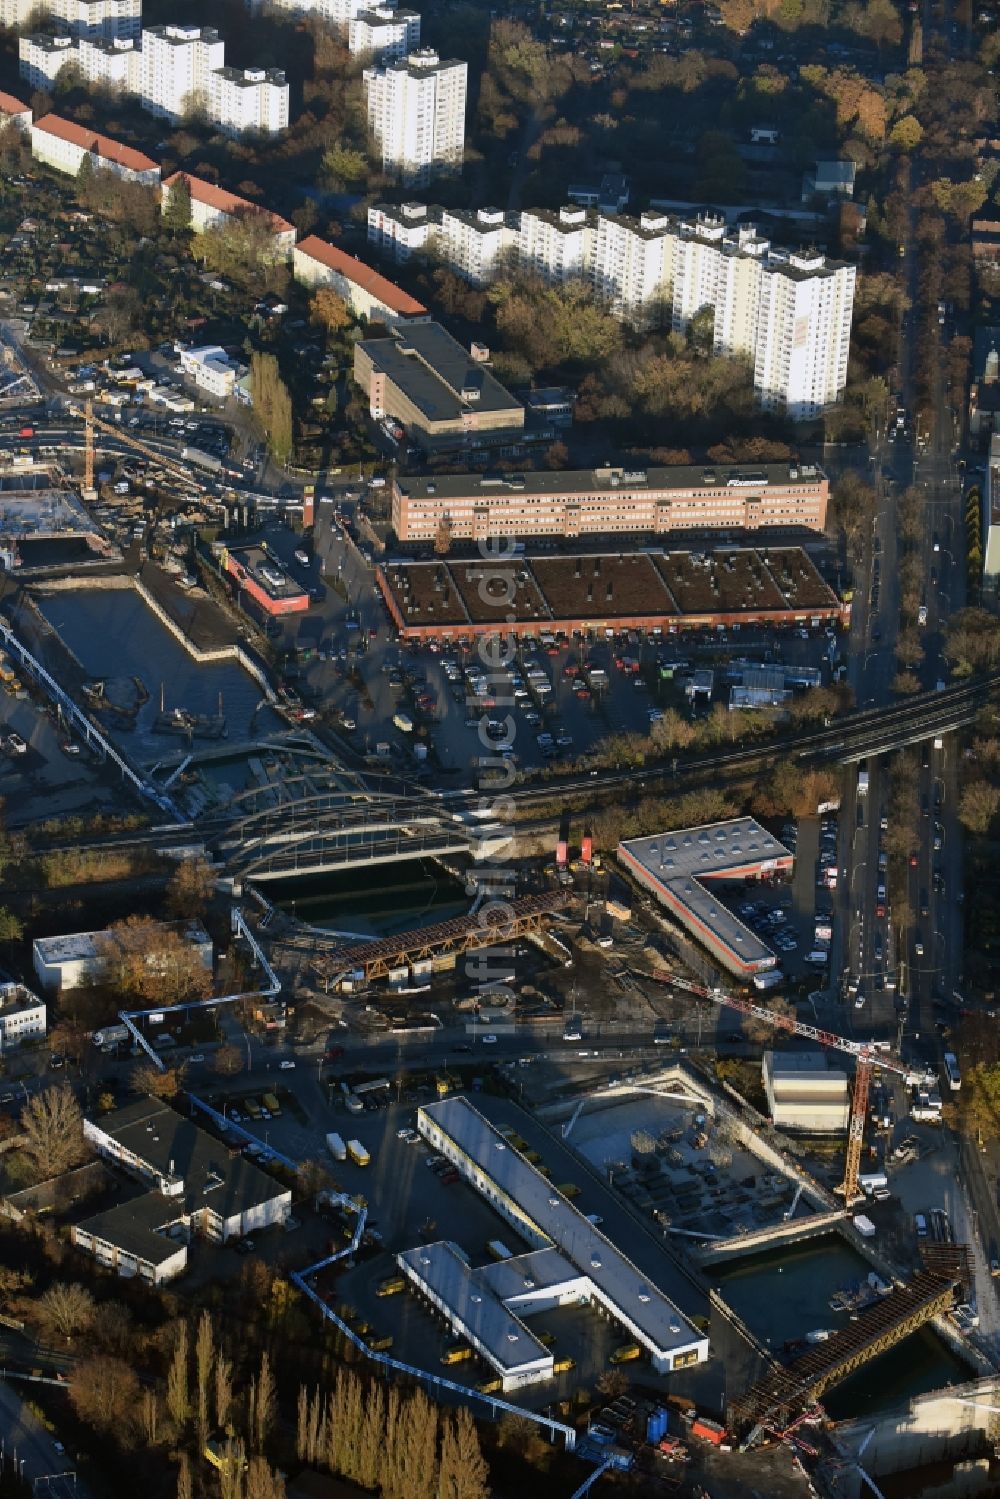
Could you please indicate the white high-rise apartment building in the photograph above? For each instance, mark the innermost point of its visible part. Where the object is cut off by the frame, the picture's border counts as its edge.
(475, 242)
(559, 246)
(402, 230)
(416, 114)
(697, 257)
(633, 265)
(40, 59)
(244, 99)
(385, 33)
(80, 17)
(803, 333)
(737, 294)
(116, 63)
(176, 63)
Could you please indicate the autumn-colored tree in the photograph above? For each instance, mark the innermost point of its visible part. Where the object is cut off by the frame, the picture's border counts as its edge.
(104, 1391)
(204, 1357)
(464, 1473)
(328, 310)
(158, 1083)
(150, 963)
(272, 403)
(765, 1033)
(178, 1383)
(262, 1404)
(442, 537)
(978, 805)
(223, 1391)
(190, 889)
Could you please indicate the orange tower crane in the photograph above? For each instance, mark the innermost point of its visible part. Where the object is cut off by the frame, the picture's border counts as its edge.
(92, 424)
(863, 1052)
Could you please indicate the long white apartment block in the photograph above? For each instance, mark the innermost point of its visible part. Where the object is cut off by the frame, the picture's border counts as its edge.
(80, 17)
(247, 99)
(416, 115)
(338, 13)
(385, 33)
(176, 63)
(40, 59)
(803, 333)
(559, 247)
(787, 313)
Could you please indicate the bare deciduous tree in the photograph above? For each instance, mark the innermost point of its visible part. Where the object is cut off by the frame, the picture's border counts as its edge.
(53, 1130)
(67, 1308)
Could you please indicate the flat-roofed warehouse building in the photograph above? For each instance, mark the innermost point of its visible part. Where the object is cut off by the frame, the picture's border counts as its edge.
(603, 501)
(680, 868)
(570, 1260)
(666, 592)
(807, 1091)
(197, 1186)
(445, 398)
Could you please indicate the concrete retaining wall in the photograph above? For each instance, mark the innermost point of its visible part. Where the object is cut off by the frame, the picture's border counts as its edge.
(944, 1426)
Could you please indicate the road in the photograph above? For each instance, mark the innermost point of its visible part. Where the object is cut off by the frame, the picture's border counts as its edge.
(25, 1439)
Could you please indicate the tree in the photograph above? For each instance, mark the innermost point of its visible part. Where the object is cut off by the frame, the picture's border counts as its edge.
(223, 1391)
(442, 537)
(228, 1061)
(907, 133)
(763, 1032)
(148, 1078)
(190, 889)
(613, 1383)
(262, 1402)
(345, 166)
(53, 1131)
(177, 207)
(13, 1283)
(150, 963)
(262, 1482)
(104, 1392)
(67, 1308)
(178, 1396)
(11, 926)
(272, 403)
(464, 1472)
(204, 1356)
(978, 805)
(184, 1488)
(329, 310)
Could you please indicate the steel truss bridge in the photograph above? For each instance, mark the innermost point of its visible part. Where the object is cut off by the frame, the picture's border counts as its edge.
(495, 924)
(785, 1392)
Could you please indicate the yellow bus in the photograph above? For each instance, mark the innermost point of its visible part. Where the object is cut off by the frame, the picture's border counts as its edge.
(490, 1387)
(272, 1105)
(456, 1354)
(569, 1189)
(390, 1287)
(626, 1353)
(563, 1365)
(252, 1107)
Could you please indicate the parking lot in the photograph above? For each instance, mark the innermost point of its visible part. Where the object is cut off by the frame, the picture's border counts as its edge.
(567, 695)
(409, 1203)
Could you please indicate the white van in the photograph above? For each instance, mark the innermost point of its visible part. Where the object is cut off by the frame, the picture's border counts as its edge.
(818, 958)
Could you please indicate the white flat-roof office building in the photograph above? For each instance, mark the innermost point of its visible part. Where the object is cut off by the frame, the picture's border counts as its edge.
(570, 1260)
(66, 962)
(680, 867)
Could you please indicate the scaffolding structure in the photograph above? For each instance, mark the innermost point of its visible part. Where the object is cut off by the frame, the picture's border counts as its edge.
(496, 923)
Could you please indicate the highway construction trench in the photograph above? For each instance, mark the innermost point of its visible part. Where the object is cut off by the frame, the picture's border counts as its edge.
(115, 635)
(784, 1294)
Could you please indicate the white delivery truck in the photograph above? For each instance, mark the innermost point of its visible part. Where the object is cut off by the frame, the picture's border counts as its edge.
(336, 1147)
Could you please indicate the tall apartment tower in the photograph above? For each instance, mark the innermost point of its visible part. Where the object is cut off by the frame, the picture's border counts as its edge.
(737, 293)
(176, 63)
(633, 265)
(416, 114)
(93, 18)
(803, 333)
